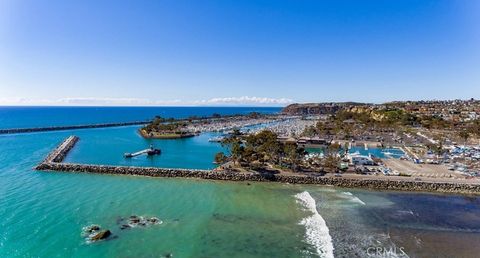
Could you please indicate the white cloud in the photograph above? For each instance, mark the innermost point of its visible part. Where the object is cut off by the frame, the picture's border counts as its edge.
(245, 100)
(103, 101)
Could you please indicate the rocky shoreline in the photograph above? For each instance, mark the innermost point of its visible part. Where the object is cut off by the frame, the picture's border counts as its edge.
(53, 163)
(69, 127)
(59, 153)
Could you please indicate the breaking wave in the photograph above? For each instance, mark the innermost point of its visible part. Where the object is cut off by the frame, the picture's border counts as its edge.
(354, 198)
(317, 233)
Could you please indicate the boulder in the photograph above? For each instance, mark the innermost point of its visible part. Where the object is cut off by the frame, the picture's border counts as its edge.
(92, 228)
(134, 219)
(101, 235)
(153, 220)
(125, 226)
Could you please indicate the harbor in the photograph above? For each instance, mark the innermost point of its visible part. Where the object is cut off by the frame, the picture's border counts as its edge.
(94, 178)
(256, 129)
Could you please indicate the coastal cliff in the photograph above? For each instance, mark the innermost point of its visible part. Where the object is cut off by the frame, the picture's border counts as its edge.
(317, 108)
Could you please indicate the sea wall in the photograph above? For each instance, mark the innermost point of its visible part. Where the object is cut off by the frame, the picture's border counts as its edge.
(59, 153)
(53, 162)
(235, 176)
(69, 127)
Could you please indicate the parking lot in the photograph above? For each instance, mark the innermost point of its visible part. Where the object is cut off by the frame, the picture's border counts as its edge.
(421, 170)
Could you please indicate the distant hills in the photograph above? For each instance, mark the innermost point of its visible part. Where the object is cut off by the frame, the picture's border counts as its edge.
(441, 108)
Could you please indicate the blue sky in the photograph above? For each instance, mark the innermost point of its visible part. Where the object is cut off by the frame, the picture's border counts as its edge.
(199, 52)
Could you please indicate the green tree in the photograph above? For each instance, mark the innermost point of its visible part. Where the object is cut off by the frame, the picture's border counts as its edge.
(347, 130)
(464, 134)
(330, 162)
(265, 145)
(220, 158)
(237, 152)
(474, 128)
(293, 156)
(322, 128)
(331, 158)
(310, 131)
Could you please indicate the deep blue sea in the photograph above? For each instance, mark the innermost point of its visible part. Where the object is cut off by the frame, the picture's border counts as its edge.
(26, 117)
(42, 213)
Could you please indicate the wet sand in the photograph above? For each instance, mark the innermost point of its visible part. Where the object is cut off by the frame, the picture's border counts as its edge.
(420, 243)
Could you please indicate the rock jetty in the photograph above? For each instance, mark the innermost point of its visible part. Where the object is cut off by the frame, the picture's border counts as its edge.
(59, 153)
(68, 127)
(53, 163)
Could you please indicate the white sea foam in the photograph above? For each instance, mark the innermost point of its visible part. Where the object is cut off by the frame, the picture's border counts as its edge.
(317, 231)
(354, 198)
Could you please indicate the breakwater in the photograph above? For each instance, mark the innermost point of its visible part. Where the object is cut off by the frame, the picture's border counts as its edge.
(53, 162)
(68, 127)
(59, 153)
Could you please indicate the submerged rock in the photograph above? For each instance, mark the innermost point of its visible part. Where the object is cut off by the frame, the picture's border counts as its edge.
(101, 235)
(120, 220)
(125, 226)
(134, 219)
(92, 228)
(153, 220)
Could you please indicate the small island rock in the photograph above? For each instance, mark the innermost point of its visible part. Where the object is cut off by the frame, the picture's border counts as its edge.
(101, 235)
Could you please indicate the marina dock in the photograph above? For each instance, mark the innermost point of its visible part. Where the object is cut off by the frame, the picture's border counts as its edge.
(150, 152)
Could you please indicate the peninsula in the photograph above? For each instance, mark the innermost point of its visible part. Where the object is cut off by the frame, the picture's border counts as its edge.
(54, 162)
(426, 146)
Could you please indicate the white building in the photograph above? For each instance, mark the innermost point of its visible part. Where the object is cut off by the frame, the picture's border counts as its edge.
(356, 159)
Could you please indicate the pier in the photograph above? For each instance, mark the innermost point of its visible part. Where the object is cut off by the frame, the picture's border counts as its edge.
(53, 162)
(150, 152)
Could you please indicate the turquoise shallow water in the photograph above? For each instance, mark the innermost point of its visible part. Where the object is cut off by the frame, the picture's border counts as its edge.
(42, 213)
(107, 146)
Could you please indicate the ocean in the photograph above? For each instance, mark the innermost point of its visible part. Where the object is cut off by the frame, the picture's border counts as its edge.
(26, 117)
(42, 214)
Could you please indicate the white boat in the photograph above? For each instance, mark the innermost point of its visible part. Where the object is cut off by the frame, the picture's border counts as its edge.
(216, 139)
(385, 171)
